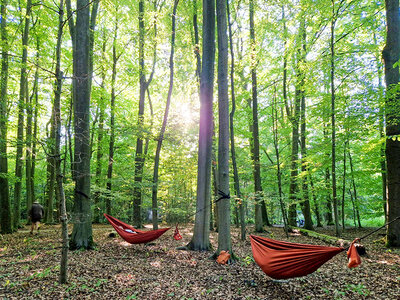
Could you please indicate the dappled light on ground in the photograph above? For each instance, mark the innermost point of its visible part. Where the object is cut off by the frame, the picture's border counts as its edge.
(29, 268)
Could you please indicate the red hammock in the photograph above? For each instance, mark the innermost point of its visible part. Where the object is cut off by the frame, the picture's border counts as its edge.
(281, 260)
(133, 235)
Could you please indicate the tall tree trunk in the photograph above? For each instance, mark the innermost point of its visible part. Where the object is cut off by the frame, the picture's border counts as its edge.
(29, 179)
(305, 204)
(224, 214)
(5, 205)
(35, 135)
(139, 157)
(57, 143)
(255, 135)
(381, 129)
(165, 120)
(28, 148)
(316, 205)
(81, 236)
(344, 184)
(35, 108)
(200, 239)
(294, 172)
(100, 136)
(354, 189)
(278, 164)
(214, 197)
(328, 215)
(51, 162)
(333, 119)
(112, 119)
(196, 41)
(232, 133)
(23, 86)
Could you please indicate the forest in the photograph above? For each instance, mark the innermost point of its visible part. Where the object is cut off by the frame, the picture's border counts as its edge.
(219, 118)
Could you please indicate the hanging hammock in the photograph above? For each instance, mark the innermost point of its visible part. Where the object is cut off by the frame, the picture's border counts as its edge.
(281, 260)
(133, 235)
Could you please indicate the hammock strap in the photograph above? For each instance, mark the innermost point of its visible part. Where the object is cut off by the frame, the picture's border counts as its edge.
(372, 232)
(177, 236)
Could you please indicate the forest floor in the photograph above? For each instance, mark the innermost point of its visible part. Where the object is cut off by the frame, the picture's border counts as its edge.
(29, 268)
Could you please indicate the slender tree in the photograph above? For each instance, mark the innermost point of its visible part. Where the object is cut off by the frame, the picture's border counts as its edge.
(232, 132)
(57, 152)
(112, 115)
(23, 89)
(165, 120)
(5, 205)
(100, 135)
(274, 115)
(305, 204)
(139, 154)
(224, 220)
(255, 149)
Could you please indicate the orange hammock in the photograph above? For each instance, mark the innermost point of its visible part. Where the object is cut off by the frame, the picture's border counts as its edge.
(133, 235)
(281, 260)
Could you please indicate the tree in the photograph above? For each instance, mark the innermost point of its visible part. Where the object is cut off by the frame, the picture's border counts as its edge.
(333, 117)
(165, 120)
(6, 215)
(255, 145)
(200, 239)
(391, 56)
(139, 154)
(224, 212)
(232, 133)
(23, 90)
(81, 236)
(112, 114)
(57, 142)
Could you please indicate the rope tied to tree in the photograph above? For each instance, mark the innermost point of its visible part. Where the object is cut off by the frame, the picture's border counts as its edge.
(177, 235)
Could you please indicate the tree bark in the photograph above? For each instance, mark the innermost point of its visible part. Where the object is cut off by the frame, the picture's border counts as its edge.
(328, 215)
(278, 164)
(200, 239)
(165, 120)
(81, 236)
(112, 118)
(6, 223)
(57, 144)
(344, 184)
(255, 134)
(333, 120)
(224, 220)
(139, 156)
(305, 204)
(23, 86)
(354, 189)
(232, 132)
(100, 136)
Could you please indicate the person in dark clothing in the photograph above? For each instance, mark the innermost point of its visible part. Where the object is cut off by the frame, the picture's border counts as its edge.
(36, 214)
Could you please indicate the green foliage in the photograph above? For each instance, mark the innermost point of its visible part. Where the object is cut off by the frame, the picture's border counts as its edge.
(360, 103)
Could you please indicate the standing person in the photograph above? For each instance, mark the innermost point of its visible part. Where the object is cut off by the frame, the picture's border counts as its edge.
(36, 214)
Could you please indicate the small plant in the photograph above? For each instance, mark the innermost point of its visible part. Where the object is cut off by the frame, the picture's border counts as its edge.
(70, 288)
(248, 260)
(100, 282)
(358, 288)
(133, 296)
(338, 294)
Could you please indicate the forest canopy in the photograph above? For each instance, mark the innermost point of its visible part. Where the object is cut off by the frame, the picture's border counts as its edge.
(105, 98)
